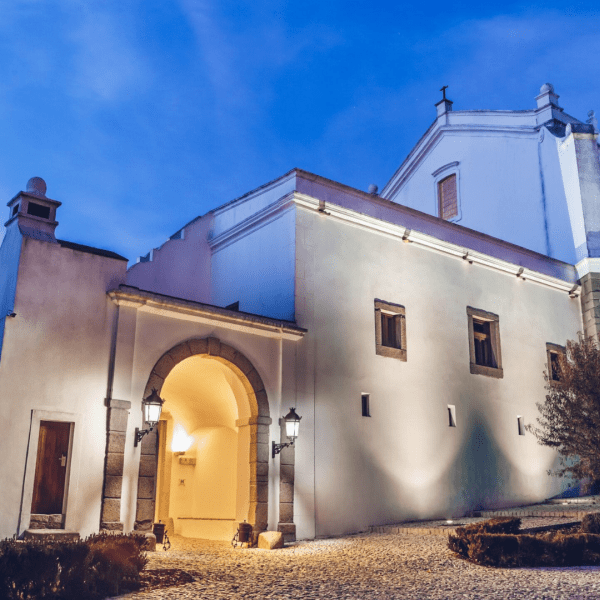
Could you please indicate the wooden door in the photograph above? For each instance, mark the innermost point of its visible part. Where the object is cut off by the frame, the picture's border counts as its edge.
(51, 468)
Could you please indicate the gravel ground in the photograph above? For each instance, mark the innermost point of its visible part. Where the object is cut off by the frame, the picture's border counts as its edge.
(364, 566)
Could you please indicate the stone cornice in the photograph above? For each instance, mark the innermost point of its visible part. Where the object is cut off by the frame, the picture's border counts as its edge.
(179, 308)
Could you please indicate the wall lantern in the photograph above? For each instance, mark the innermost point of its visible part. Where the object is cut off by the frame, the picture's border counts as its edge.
(152, 407)
(292, 425)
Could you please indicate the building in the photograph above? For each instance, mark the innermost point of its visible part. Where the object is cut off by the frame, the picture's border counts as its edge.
(410, 330)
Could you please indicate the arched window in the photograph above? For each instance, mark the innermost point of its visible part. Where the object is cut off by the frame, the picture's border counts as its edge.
(448, 197)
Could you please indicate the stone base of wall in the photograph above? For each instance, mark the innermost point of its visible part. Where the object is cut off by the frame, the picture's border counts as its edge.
(288, 530)
(111, 526)
(46, 521)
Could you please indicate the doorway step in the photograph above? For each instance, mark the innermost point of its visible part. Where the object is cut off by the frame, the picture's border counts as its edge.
(46, 522)
(51, 535)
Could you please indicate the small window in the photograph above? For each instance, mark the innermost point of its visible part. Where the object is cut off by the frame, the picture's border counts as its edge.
(38, 210)
(451, 415)
(366, 408)
(553, 353)
(484, 343)
(520, 426)
(447, 197)
(15, 209)
(390, 329)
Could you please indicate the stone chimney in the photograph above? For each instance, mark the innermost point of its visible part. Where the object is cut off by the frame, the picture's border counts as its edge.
(33, 213)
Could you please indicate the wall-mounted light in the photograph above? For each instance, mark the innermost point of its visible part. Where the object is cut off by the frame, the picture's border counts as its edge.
(292, 425)
(152, 407)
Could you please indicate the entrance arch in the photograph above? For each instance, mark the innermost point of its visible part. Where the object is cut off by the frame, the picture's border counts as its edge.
(252, 423)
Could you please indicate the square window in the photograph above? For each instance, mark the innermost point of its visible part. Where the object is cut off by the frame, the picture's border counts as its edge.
(553, 354)
(390, 329)
(520, 426)
(484, 343)
(365, 402)
(451, 415)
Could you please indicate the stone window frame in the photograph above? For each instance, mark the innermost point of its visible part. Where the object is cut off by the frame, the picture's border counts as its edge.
(553, 349)
(439, 175)
(494, 321)
(399, 311)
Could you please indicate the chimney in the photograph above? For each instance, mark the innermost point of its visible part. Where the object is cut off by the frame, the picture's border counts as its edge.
(34, 214)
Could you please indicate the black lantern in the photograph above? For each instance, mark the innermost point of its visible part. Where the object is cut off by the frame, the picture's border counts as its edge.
(152, 407)
(292, 426)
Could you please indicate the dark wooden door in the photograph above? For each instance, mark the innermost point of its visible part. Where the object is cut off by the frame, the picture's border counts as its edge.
(51, 468)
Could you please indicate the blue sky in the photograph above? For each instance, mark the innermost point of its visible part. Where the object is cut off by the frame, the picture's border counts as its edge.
(141, 115)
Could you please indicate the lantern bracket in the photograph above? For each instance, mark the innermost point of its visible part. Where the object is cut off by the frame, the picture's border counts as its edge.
(139, 435)
(277, 448)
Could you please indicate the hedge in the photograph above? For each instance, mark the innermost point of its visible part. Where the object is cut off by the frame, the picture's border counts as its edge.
(102, 565)
(497, 543)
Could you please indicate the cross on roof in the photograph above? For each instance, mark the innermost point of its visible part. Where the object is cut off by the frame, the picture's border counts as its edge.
(443, 90)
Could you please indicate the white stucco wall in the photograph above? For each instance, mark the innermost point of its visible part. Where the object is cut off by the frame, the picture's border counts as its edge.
(180, 267)
(55, 361)
(500, 189)
(257, 268)
(404, 462)
(10, 254)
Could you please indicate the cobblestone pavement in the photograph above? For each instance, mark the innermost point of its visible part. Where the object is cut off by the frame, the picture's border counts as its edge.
(364, 566)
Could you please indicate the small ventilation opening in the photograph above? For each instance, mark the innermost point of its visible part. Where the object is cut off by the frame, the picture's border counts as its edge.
(15, 209)
(520, 426)
(451, 415)
(37, 210)
(366, 409)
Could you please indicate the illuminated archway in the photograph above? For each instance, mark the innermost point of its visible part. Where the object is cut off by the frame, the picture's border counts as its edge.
(244, 407)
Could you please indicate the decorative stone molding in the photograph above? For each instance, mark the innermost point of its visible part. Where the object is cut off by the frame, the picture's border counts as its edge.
(259, 423)
(113, 464)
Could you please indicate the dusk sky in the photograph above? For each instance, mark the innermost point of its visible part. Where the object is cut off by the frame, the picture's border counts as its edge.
(141, 115)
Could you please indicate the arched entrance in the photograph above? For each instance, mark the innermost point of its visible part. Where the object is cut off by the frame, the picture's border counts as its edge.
(217, 407)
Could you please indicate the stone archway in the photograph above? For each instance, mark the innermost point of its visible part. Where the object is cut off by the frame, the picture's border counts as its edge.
(258, 423)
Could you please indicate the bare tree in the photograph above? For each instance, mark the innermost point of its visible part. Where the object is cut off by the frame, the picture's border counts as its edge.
(569, 419)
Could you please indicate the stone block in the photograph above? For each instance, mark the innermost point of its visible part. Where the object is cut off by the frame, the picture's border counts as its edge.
(255, 381)
(259, 492)
(146, 488)
(270, 540)
(286, 512)
(117, 419)
(112, 526)
(145, 510)
(114, 463)
(179, 353)
(149, 443)
(261, 437)
(147, 465)
(198, 346)
(111, 510)
(163, 366)
(116, 442)
(259, 472)
(214, 346)
(242, 363)
(228, 353)
(51, 535)
(288, 530)
(262, 401)
(286, 492)
(259, 515)
(155, 382)
(113, 486)
(143, 525)
(260, 453)
(286, 473)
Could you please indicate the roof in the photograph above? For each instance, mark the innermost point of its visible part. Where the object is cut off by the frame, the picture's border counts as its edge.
(91, 250)
(162, 303)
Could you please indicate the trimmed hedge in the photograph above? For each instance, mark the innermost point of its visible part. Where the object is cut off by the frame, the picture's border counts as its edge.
(102, 565)
(497, 543)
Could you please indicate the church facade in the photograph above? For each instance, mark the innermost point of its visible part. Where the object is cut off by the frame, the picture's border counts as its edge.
(409, 329)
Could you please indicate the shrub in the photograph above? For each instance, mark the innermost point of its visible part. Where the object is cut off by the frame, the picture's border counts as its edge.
(482, 545)
(99, 566)
(591, 523)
